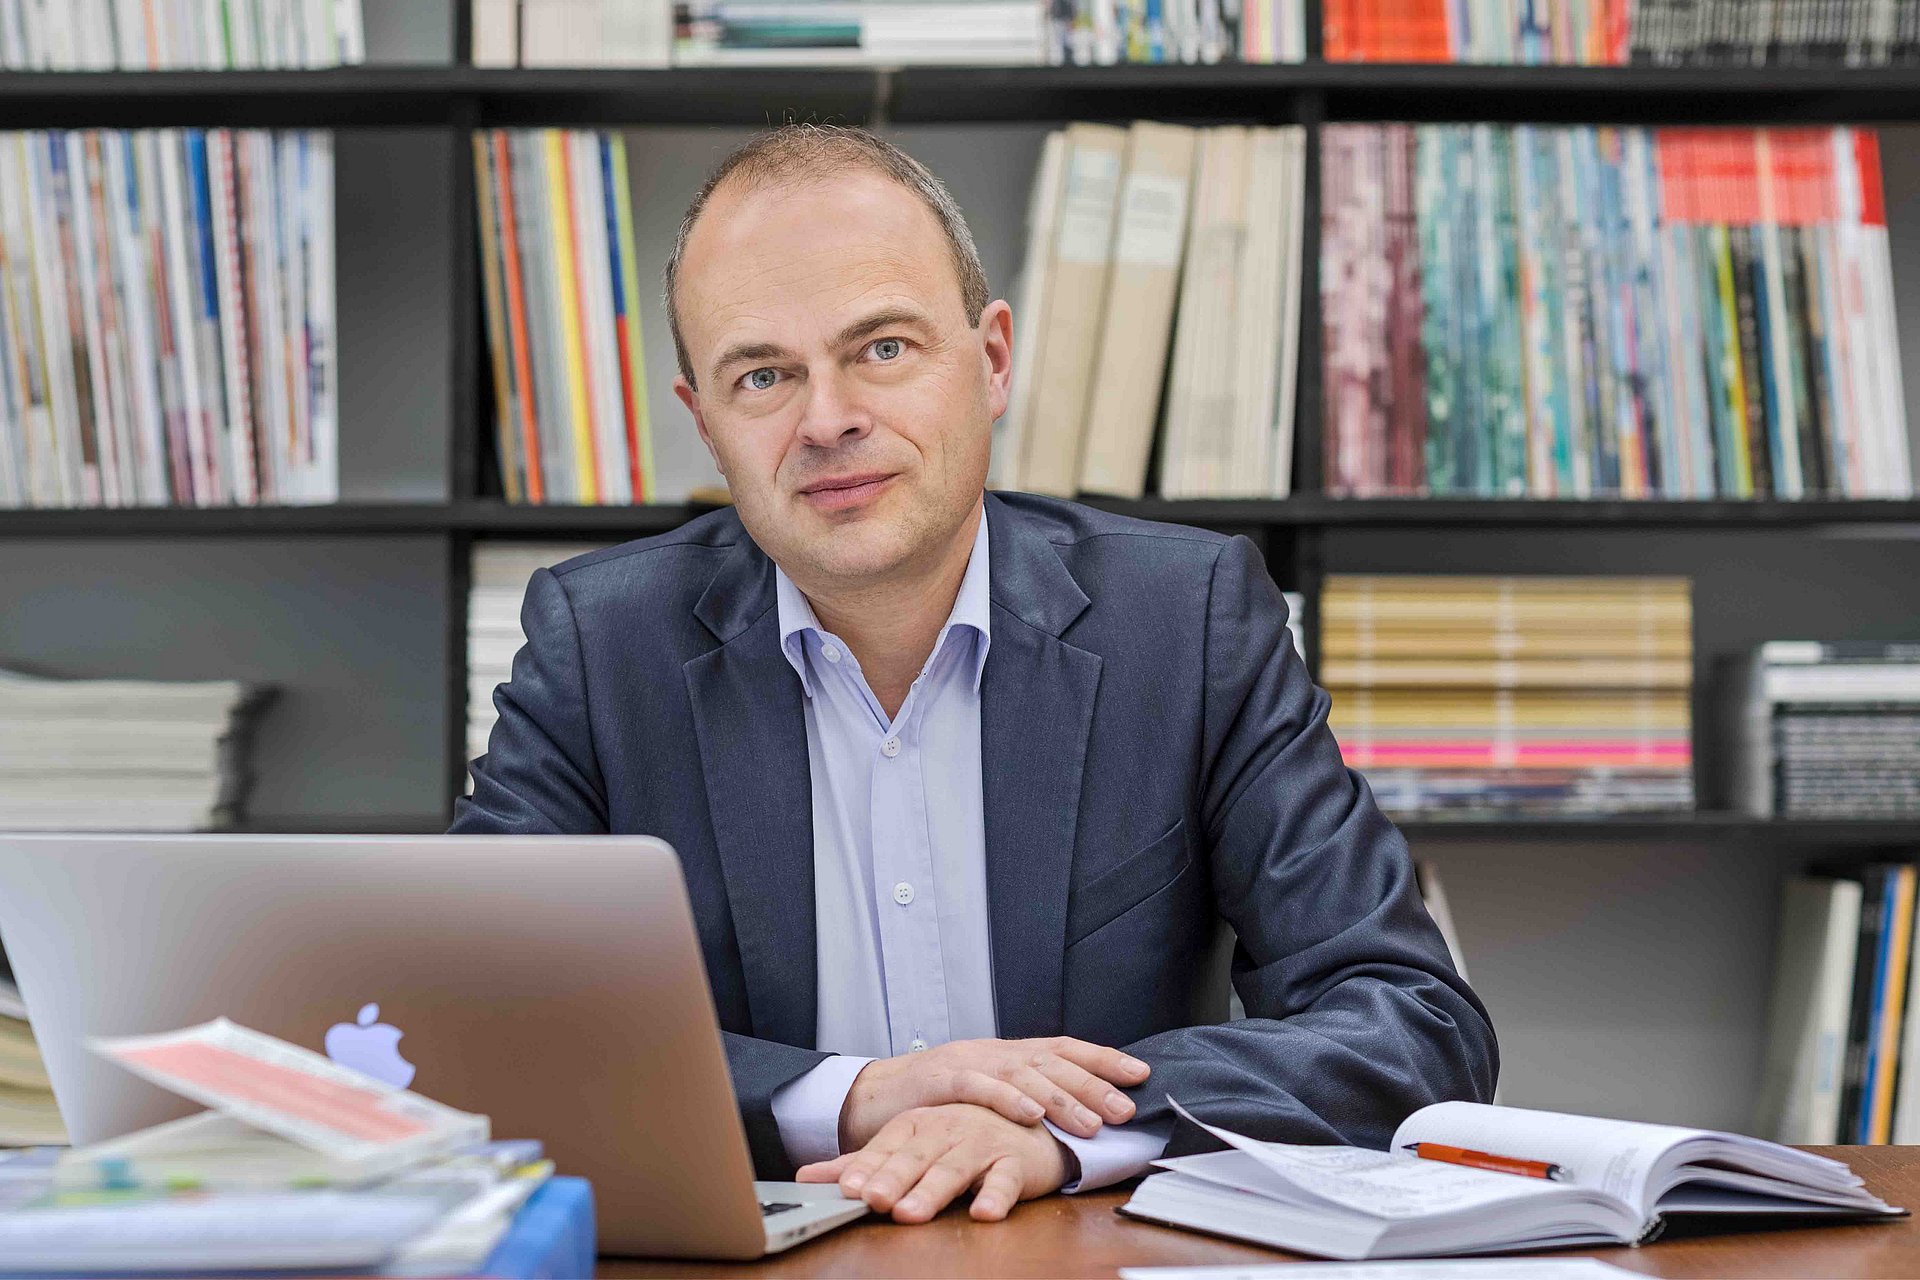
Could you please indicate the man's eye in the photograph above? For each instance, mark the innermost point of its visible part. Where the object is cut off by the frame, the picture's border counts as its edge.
(888, 348)
(762, 379)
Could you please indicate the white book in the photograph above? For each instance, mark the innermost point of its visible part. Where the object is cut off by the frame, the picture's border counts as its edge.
(130, 34)
(243, 34)
(266, 352)
(1617, 1183)
(1029, 314)
(216, 53)
(1076, 302)
(1812, 999)
(1293, 212)
(57, 327)
(496, 33)
(323, 348)
(13, 35)
(1197, 440)
(104, 479)
(137, 297)
(1149, 234)
(34, 448)
(543, 33)
(238, 448)
(350, 31)
(636, 33)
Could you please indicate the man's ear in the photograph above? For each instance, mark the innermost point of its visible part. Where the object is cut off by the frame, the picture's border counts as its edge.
(996, 344)
(691, 398)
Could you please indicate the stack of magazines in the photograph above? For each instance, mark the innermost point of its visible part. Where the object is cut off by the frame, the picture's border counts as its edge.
(1532, 695)
(167, 327)
(123, 755)
(500, 574)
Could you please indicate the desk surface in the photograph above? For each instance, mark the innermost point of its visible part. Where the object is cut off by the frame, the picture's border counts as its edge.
(1083, 1236)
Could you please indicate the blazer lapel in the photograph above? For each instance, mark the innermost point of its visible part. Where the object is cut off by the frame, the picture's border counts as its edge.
(751, 727)
(1036, 712)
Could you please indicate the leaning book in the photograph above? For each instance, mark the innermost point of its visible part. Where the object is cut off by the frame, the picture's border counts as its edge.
(1616, 1183)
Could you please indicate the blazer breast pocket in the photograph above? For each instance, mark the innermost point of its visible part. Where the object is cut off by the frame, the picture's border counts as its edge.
(1128, 883)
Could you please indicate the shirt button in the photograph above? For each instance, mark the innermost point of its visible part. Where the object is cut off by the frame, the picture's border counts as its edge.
(918, 1046)
(890, 748)
(903, 893)
(830, 653)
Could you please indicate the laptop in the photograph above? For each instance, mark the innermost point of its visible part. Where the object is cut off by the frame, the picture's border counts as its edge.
(552, 983)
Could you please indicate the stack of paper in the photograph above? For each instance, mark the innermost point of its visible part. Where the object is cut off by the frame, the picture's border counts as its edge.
(122, 755)
(28, 1115)
(302, 1163)
(500, 574)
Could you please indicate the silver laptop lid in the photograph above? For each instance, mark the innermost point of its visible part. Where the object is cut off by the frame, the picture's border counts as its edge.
(553, 983)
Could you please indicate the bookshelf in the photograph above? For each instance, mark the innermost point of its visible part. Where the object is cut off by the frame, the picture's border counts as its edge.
(359, 608)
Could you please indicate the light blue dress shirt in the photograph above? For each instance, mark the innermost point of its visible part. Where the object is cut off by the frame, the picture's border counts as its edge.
(904, 952)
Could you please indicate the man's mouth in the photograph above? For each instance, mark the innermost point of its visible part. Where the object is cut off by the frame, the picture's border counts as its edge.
(843, 492)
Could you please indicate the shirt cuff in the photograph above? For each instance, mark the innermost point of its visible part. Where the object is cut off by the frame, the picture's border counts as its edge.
(807, 1109)
(1116, 1153)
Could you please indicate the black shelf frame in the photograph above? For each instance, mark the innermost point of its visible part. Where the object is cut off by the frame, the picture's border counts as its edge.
(459, 99)
(454, 97)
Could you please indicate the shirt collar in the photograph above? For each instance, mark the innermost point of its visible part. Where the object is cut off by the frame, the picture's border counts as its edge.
(972, 607)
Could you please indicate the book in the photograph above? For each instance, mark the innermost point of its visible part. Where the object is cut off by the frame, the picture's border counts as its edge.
(1807, 1026)
(1081, 256)
(1620, 1182)
(1149, 234)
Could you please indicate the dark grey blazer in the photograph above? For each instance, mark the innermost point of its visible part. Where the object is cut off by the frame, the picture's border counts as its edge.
(1155, 760)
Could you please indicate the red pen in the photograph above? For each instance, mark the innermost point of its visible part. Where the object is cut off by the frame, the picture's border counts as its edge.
(1487, 1160)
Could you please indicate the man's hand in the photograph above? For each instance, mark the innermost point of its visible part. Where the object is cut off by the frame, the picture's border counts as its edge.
(921, 1159)
(1067, 1081)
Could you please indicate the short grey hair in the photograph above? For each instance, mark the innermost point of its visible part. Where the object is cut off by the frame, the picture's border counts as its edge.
(795, 153)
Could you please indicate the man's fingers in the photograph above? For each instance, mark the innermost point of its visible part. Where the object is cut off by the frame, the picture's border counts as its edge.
(1094, 1093)
(1107, 1063)
(982, 1090)
(825, 1170)
(946, 1178)
(1062, 1107)
(999, 1191)
(900, 1171)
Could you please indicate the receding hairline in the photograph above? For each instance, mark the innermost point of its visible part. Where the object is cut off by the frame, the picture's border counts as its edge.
(801, 156)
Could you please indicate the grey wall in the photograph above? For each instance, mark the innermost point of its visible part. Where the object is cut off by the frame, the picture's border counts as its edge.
(409, 32)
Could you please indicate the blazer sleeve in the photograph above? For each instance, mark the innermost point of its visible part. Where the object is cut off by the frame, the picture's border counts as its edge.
(1356, 1017)
(541, 776)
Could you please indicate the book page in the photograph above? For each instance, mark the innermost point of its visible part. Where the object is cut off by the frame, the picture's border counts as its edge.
(1476, 1269)
(1383, 1184)
(1615, 1156)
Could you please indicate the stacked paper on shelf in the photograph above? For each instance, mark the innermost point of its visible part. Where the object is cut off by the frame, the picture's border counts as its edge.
(1818, 730)
(1554, 695)
(499, 585)
(301, 1163)
(123, 755)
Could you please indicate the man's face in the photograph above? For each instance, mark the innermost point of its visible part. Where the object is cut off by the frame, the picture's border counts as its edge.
(841, 391)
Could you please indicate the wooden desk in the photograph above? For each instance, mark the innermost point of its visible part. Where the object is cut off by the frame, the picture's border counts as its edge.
(1073, 1236)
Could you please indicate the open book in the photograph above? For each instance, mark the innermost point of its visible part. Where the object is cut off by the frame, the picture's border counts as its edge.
(1618, 1181)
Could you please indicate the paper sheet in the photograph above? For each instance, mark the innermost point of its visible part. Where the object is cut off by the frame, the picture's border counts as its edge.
(1469, 1269)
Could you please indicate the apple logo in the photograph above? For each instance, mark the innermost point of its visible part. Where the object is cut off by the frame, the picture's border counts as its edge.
(370, 1047)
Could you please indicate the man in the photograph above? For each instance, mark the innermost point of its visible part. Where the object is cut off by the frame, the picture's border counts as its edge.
(964, 784)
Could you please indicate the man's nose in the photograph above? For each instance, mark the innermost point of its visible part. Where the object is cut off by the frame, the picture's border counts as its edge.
(833, 413)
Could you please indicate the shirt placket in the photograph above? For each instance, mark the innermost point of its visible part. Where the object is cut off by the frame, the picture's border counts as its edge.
(917, 1015)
